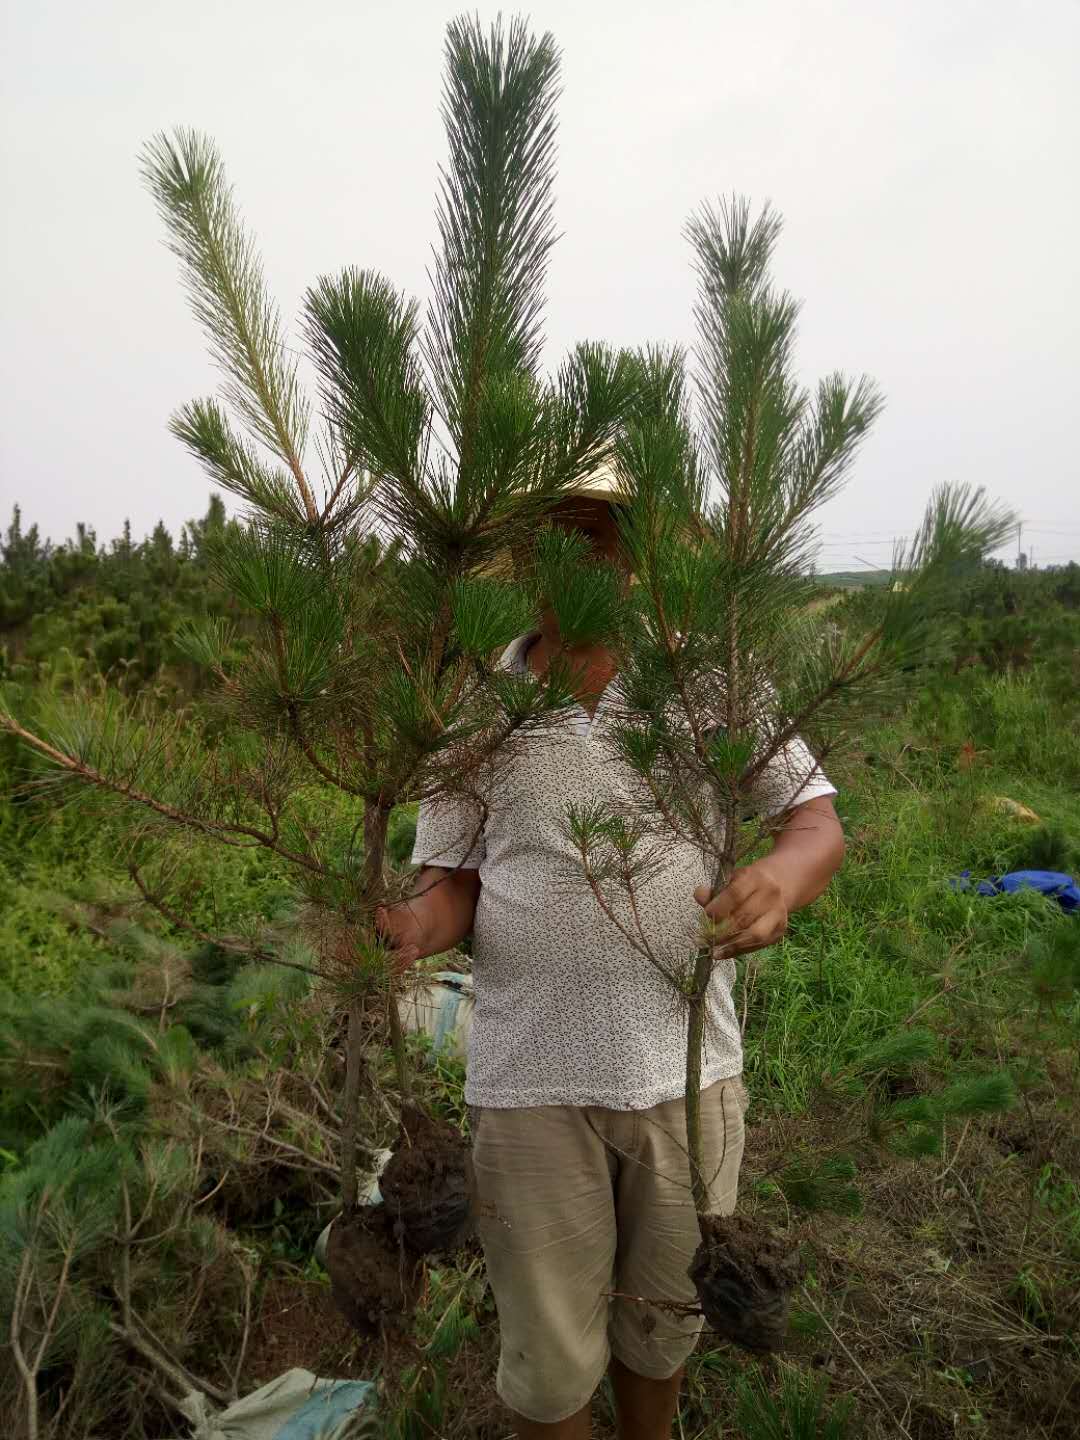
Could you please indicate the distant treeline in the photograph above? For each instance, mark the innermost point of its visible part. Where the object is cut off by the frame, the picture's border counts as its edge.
(854, 579)
(993, 617)
(115, 606)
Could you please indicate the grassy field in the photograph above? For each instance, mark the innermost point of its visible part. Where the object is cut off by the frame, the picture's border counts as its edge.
(911, 1053)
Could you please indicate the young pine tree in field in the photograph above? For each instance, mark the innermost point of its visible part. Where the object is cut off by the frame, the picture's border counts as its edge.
(724, 662)
(376, 522)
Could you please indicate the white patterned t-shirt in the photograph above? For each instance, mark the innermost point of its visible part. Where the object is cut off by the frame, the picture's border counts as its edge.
(568, 1012)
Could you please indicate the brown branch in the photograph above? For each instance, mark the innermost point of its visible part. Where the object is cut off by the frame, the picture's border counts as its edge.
(249, 1282)
(210, 1194)
(54, 1309)
(901, 1428)
(601, 900)
(28, 1377)
(673, 1307)
(634, 1159)
(235, 1128)
(310, 755)
(350, 465)
(218, 829)
(235, 947)
(151, 1349)
(658, 800)
(306, 747)
(308, 1160)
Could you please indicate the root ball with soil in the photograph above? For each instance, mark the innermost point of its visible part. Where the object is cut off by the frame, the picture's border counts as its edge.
(745, 1274)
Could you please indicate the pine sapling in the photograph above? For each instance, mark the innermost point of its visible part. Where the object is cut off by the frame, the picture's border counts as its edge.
(373, 544)
(724, 662)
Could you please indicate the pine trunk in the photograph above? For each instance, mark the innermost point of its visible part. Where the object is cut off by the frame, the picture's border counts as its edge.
(376, 822)
(695, 1045)
(697, 1001)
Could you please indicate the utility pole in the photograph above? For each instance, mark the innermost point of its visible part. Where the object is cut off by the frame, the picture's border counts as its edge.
(1019, 531)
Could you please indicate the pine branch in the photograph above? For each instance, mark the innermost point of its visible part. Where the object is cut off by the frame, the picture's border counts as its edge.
(224, 278)
(362, 335)
(223, 831)
(223, 942)
(720, 668)
(144, 1343)
(494, 215)
(732, 253)
(202, 427)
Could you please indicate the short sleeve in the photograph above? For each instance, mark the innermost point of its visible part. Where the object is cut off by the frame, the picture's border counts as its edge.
(792, 777)
(450, 832)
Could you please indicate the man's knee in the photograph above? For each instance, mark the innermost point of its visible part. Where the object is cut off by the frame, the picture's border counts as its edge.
(548, 1387)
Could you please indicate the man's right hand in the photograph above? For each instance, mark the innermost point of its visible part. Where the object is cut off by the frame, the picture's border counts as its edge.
(437, 916)
(404, 934)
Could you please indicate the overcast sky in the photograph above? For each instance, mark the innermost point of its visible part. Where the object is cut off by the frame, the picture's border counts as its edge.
(924, 155)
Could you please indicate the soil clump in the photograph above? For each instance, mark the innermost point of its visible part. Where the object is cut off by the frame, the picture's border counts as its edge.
(426, 1184)
(373, 1280)
(745, 1273)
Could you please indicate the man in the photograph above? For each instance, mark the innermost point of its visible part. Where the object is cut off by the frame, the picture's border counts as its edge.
(576, 1070)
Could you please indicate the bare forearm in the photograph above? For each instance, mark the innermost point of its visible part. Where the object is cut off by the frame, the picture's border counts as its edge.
(444, 903)
(807, 852)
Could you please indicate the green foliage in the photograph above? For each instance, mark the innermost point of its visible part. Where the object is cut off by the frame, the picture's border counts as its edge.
(824, 1185)
(1060, 1194)
(977, 1095)
(1028, 1296)
(586, 597)
(451, 1316)
(109, 609)
(488, 615)
(441, 1078)
(420, 1408)
(257, 989)
(895, 1053)
(997, 619)
(422, 1401)
(1054, 965)
(77, 1290)
(401, 836)
(224, 278)
(496, 225)
(56, 1211)
(363, 337)
(798, 1409)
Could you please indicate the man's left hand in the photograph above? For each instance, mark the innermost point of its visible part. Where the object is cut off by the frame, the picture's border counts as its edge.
(749, 913)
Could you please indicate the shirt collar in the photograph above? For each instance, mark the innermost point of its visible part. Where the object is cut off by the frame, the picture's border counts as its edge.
(513, 657)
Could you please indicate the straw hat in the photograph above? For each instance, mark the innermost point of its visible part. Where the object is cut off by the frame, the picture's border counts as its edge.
(601, 483)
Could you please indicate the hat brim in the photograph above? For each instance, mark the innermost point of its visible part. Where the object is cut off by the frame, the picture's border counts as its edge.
(591, 492)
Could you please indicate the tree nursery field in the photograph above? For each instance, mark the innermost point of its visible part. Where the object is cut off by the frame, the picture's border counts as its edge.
(215, 751)
(172, 1104)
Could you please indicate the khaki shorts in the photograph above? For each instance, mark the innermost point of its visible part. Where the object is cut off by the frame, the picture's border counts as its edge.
(574, 1203)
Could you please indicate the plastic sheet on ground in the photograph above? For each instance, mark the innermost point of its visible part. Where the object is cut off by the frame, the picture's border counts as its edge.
(1059, 887)
(442, 1008)
(295, 1406)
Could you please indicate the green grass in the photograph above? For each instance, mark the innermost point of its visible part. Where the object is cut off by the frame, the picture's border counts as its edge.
(890, 950)
(879, 943)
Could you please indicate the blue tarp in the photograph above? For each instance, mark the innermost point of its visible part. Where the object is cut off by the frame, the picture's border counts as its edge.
(318, 1415)
(1062, 888)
